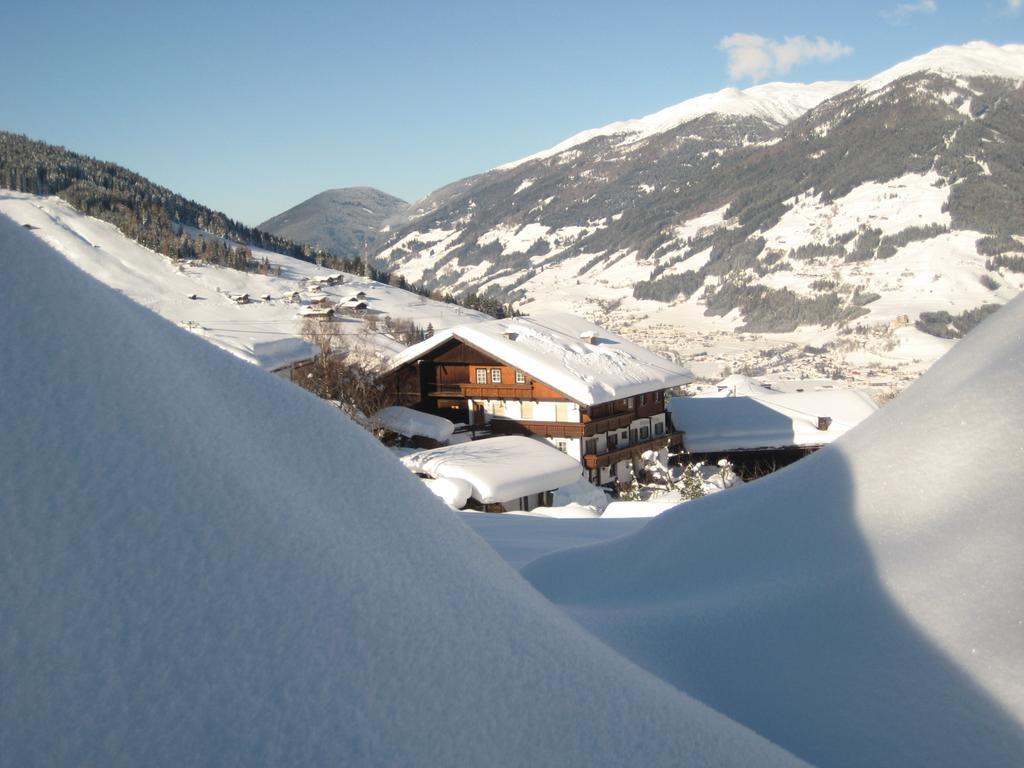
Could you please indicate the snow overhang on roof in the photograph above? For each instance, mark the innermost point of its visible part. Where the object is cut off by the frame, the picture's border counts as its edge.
(499, 468)
(586, 362)
(413, 423)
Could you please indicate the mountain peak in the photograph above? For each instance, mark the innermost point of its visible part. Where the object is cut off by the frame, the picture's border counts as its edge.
(340, 219)
(974, 59)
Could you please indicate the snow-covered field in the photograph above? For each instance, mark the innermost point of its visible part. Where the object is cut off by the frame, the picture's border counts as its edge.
(205, 564)
(266, 331)
(864, 606)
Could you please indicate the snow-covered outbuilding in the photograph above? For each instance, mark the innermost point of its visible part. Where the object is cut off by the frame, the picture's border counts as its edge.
(594, 395)
(317, 311)
(504, 474)
(742, 417)
(423, 429)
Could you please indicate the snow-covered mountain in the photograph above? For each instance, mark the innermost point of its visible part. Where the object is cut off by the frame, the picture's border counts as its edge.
(776, 103)
(829, 216)
(342, 221)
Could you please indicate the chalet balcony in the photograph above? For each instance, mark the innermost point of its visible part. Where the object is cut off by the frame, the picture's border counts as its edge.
(596, 460)
(500, 426)
(608, 423)
(483, 391)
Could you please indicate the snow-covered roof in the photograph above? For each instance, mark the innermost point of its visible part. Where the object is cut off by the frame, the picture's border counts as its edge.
(412, 423)
(554, 349)
(758, 417)
(499, 468)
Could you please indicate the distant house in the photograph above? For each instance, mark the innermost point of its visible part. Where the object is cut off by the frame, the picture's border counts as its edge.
(354, 305)
(317, 311)
(240, 298)
(511, 473)
(336, 279)
(754, 425)
(590, 393)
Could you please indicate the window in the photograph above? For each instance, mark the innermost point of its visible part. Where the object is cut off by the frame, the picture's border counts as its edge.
(561, 411)
(643, 399)
(481, 375)
(613, 441)
(591, 445)
(496, 375)
(659, 428)
(520, 377)
(645, 433)
(528, 410)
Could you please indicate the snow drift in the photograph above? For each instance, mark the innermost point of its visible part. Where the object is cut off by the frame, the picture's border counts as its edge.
(865, 606)
(203, 565)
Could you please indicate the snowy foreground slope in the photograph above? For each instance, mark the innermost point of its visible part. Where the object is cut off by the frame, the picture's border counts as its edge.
(864, 606)
(203, 565)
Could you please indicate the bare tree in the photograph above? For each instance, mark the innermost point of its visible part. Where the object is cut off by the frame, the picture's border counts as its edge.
(346, 370)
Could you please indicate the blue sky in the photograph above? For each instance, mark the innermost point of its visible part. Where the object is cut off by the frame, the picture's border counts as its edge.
(252, 107)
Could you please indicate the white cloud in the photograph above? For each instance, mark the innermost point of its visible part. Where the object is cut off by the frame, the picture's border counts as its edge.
(904, 11)
(1014, 5)
(759, 57)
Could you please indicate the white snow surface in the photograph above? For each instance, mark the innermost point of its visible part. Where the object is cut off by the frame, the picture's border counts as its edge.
(774, 102)
(412, 423)
(744, 415)
(554, 349)
(203, 564)
(629, 509)
(499, 469)
(864, 606)
(975, 59)
(454, 493)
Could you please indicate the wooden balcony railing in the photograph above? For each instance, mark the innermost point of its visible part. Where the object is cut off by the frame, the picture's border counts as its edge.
(608, 423)
(670, 440)
(500, 426)
(483, 391)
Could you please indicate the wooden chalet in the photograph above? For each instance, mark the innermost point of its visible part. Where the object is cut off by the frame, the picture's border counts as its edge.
(595, 396)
